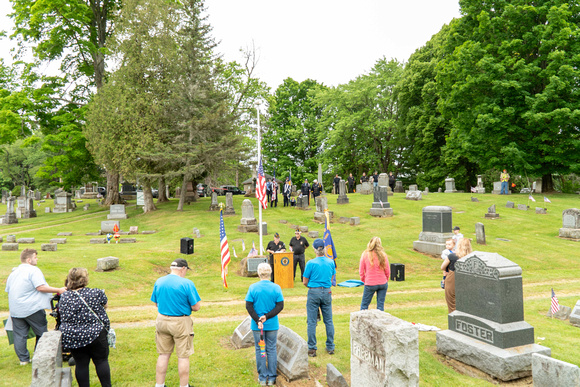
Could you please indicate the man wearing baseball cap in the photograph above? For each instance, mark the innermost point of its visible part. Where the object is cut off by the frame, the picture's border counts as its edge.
(275, 246)
(318, 278)
(175, 297)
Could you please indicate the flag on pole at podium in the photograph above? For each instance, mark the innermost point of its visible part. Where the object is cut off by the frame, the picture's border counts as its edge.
(329, 249)
(225, 251)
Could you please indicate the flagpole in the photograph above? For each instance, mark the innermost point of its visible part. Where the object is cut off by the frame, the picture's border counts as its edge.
(259, 158)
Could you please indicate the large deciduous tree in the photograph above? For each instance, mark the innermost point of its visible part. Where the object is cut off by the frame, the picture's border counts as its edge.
(510, 87)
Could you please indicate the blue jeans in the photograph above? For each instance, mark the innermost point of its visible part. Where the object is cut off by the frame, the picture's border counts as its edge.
(368, 293)
(319, 298)
(504, 188)
(266, 371)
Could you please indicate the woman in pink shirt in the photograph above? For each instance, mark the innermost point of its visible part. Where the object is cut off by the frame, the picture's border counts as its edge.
(374, 271)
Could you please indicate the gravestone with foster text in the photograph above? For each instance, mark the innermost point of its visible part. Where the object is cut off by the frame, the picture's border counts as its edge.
(437, 223)
(450, 185)
(243, 336)
(570, 224)
(342, 198)
(491, 214)
(384, 350)
(292, 354)
(480, 233)
(10, 216)
(487, 330)
(229, 210)
(117, 212)
(549, 372)
(248, 223)
(381, 206)
(62, 202)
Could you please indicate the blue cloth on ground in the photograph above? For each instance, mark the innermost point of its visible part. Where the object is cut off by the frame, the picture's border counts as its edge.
(351, 283)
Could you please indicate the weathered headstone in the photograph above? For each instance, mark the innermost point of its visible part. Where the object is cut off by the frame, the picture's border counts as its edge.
(86, 207)
(229, 210)
(29, 211)
(480, 233)
(510, 204)
(343, 220)
(450, 185)
(303, 228)
(148, 232)
(11, 238)
(96, 241)
(214, 206)
(334, 378)
(355, 221)
(575, 315)
(37, 195)
(525, 190)
(383, 180)
(47, 369)
(496, 188)
(358, 187)
(439, 190)
(249, 265)
(313, 234)
(117, 212)
(321, 206)
(133, 230)
(248, 223)
(47, 210)
(549, 372)
(49, 247)
(10, 216)
(570, 224)
(426, 191)
(9, 246)
(292, 351)
(491, 214)
(264, 228)
(437, 223)
(196, 232)
(4, 196)
(562, 314)
(366, 188)
(243, 336)
(487, 330)
(26, 240)
(479, 188)
(476, 200)
(541, 211)
(63, 202)
(342, 198)
(537, 186)
(522, 207)
(381, 206)
(60, 241)
(414, 195)
(413, 187)
(107, 226)
(384, 350)
(67, 233)
(107, 263)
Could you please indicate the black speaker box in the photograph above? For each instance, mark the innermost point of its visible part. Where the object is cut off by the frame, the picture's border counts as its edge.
(186, 246)
(397, 272)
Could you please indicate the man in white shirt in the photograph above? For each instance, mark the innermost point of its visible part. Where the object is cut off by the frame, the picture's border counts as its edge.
(28, 297)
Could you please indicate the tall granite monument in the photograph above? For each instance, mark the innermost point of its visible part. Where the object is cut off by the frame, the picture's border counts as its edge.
(10, 216)
(487, 330)
(437, 223)
(342, 198)
(450, 185)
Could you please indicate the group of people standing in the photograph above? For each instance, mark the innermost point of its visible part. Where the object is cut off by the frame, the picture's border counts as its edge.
(372, 178)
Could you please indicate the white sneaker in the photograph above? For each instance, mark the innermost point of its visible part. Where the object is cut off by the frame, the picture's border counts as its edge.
(24, 363)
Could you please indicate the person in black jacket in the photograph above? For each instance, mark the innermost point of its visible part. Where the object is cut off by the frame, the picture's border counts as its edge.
(316, 190)
(350, 184)
(306, 190)
(336, 184)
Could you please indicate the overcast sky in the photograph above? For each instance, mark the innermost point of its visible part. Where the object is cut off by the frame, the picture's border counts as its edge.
(330, 41)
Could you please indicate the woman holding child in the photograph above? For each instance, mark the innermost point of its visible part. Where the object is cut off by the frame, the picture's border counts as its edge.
(463, 248)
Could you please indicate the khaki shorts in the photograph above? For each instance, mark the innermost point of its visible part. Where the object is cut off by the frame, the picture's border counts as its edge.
(174, 332)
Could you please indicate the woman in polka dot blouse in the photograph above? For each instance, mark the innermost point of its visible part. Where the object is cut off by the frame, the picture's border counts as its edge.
(83, 333)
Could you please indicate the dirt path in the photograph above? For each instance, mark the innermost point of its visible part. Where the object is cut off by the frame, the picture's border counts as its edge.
(19, 229)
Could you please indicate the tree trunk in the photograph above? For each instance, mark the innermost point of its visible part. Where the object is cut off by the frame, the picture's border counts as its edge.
(183, 192)
(547, 183)
(113, 196)
(162, 198)
(148, 197)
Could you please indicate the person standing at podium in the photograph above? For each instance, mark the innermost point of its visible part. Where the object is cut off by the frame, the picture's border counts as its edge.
(275, 246)
(299, 244)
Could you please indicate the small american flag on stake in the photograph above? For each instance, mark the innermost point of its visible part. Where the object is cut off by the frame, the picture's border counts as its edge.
(555, 307)
(261, 187)
(225, 251)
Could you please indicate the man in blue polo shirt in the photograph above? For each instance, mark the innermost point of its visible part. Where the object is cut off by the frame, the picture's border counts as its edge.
(175, 297)
(318, 278)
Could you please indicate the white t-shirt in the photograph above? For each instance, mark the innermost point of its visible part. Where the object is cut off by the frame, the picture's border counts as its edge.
(445, 253)
(457, 238)
(23, 298)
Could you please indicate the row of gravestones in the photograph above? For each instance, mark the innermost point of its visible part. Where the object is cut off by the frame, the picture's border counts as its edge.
(437, 225)
(486, 331)
(524, 207)
(13, 244)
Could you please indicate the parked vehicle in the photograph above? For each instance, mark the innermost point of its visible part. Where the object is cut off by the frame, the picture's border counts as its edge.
(203, 190)
(233, 189)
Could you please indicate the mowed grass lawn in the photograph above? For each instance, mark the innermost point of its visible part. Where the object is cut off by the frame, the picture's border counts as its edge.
(547, 262)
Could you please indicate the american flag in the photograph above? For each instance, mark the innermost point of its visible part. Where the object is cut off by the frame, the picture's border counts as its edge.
(253, 250)
(531, 198)
(547, 200)
(473, 190)
(261, 187)
(243, 246)
(225, 251)
(555, 307)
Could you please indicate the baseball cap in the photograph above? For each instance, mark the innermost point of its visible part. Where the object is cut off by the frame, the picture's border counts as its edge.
(318, 243)
(276, 235)
(456, 228)
(180, 262)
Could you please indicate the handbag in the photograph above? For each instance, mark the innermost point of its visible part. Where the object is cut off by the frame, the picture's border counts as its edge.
(111, 335)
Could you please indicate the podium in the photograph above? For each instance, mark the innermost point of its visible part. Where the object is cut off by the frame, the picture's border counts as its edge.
(284, 269)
